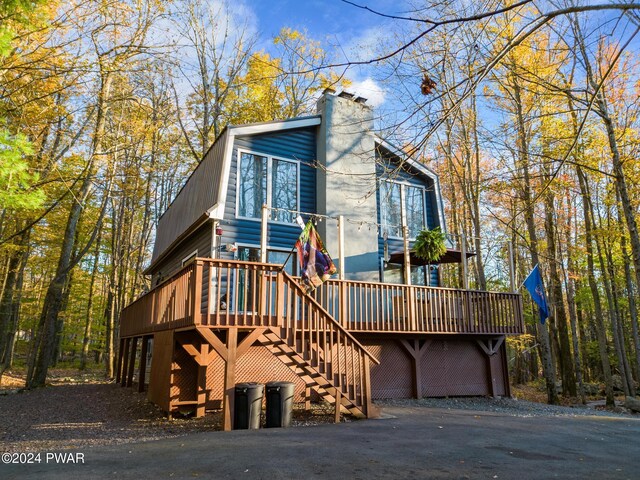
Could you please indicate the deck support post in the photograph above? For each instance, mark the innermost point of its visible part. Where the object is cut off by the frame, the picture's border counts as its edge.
(142, 372)
(366, 380)
(132, 361)
(307, 398)
(336, 413)
(416, 352)
(505, 371)
(202, 380)
(120, 358)
(125, 362)
(230, 379)
(490, 348)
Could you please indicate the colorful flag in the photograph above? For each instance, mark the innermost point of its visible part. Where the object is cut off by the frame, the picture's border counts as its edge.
(533, 284)
(316, 265)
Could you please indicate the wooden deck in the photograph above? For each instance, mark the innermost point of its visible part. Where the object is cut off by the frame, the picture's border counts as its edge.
(222, 309)
(224, 293)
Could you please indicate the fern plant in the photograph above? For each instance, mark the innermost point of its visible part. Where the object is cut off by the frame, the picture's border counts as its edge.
(430, 245)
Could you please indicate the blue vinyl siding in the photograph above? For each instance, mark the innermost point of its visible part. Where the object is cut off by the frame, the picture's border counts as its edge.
(298, 145)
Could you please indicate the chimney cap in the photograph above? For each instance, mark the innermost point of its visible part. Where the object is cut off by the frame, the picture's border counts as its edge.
(329, 91)
(345, 94)
(360, 100)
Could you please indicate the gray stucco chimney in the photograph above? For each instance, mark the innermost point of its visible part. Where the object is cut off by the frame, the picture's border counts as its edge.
(346, 181)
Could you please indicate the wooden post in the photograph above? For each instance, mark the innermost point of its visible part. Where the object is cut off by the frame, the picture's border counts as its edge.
(492, 377)
(367, 387)
(417, 372)
(343, 302)
(125, 362)
(230, 379)
(132, 361)
(512, 269)
(416, 352)
(280, 300)
(263, 233)
(120, 358)
(341, 247)
(407, 255)
(197, 293)
(465, 265)
(307, 398)
(142, 372)
(202, 380)
(336, 413)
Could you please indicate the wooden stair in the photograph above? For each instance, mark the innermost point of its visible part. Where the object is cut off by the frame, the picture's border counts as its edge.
(311, 375)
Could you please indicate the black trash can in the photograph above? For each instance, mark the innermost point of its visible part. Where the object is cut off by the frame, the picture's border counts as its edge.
(247, 406)
(279, 403)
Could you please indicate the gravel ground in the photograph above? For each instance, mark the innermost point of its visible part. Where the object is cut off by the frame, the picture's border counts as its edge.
(71, 415)
(507, 406)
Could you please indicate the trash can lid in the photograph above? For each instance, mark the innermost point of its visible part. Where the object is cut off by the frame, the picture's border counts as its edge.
(249, 385)
(280, 384)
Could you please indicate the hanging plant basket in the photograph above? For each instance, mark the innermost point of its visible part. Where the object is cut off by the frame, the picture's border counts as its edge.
(430, 245)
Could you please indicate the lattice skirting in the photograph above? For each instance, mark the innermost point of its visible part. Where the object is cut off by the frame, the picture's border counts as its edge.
(450, 366)
(257, 365)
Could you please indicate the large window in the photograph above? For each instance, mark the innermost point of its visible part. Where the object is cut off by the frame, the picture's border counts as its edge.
(270, 181)
(390, 209)
(252, 185)
(414, 208)
(398, 201)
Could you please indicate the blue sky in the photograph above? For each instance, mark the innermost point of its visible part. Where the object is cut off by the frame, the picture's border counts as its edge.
(321, 18)
(352, 30)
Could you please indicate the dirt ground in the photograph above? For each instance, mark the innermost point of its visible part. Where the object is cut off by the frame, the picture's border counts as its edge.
(83, 410)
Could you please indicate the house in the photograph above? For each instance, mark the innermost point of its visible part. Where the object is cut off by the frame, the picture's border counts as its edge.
(223, 310)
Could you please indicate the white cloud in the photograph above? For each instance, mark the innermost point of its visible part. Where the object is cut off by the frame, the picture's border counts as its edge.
(365, 45)
(369, 89)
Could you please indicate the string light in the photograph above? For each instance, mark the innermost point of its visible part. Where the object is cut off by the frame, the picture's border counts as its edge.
(318, 218)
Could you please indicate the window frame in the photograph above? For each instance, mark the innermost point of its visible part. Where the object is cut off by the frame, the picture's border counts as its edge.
(269, 181)
(403, 206)
(189, 258)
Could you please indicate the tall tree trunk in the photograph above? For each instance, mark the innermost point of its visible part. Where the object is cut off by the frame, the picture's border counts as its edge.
(523, 156)
(628, 208)
(475, 204)
(54, 296)
(10, 300)
(595, 293)
(571, 302)
(559, 314)
(86, 338)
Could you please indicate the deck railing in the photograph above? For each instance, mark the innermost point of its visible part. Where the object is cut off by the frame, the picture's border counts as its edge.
(222, 293)
(385, 307)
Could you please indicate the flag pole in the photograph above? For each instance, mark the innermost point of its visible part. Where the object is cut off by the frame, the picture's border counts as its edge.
(287, 259)
(302, 227)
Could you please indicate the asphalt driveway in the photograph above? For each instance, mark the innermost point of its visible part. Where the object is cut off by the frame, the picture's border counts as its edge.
(417, 443)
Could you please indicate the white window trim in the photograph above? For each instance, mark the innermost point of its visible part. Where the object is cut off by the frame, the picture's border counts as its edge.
(270, 159)
(189, 257)
(403, 206)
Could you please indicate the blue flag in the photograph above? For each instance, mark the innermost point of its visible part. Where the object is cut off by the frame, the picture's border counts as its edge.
(534, 285)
